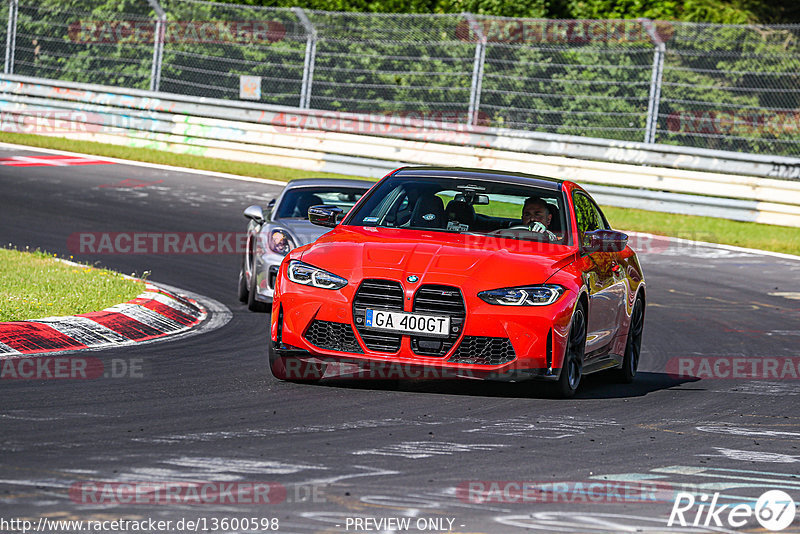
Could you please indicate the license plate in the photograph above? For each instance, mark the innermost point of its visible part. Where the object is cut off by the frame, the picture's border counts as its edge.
(408, 323)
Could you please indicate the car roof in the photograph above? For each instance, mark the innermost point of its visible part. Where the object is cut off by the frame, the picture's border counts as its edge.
(329, 182)
(482, 174)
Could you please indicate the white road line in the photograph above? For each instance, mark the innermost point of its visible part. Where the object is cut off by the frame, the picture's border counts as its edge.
(426, 449)
(150, 165)
(756, 456)
(39, 161)
(702, 472)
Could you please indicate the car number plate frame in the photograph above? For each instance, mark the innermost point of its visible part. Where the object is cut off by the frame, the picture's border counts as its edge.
(408, 323)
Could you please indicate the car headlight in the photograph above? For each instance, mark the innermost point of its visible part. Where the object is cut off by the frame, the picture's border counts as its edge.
(523, 296)
(308, 275)
(280, 242)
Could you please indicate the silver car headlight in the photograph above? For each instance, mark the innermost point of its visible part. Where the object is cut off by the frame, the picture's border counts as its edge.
(308, 275)
(280, 242)
(523, 296)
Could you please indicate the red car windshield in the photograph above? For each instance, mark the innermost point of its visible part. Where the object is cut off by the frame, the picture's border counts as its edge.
(466, 205)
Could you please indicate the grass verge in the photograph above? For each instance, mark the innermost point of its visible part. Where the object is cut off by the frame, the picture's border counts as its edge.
(34, 285)
(710, 229)
(150, 155)
(751, 235)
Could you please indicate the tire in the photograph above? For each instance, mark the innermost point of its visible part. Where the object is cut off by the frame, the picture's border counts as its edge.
(633, 347)
(569, 378)
(253, 304)
(294, 369)
(243, 292)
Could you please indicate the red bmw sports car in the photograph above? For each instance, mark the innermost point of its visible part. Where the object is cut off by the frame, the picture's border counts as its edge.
(461, 273)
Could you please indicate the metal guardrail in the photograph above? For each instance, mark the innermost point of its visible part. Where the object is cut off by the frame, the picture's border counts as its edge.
(369, 145)
(759, 165)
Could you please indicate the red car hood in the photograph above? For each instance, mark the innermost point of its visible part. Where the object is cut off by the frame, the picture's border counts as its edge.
(356, 252)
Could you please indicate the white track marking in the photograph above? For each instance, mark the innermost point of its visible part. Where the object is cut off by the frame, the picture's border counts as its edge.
(425, 449)
(773, 389)
(541, 427)
(756, 456)
(269, 432)
(366, 471)
(147, 165)
(792, 295)
(754, 432)
(596, 522)
(783, 333)
(207, 465)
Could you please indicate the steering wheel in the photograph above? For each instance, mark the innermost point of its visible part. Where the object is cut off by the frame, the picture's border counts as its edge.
(514, 232)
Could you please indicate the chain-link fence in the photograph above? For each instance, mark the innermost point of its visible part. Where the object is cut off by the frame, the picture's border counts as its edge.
(721, 87)
(732, 88)
(4, 30)
(588, 78)
(209, 46)
(81, 41)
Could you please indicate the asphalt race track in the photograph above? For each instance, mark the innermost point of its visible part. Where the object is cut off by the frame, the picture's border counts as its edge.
(206, 409)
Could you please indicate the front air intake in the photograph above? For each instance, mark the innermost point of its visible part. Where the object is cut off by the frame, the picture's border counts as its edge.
(381, 295)
(333, 336)
(483, 351)
(439, 300)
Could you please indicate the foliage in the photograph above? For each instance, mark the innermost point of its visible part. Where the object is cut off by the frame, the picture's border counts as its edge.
(724, 86)
(714, 11)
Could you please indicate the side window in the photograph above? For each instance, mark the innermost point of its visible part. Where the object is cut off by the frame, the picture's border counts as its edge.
(588, 215)
(396, 207)
(602, 218)
(402, 212)
(585, 214)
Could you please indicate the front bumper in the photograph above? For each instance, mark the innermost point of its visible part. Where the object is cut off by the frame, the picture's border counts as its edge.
(266, 273)
(379, 369)
(495, 342)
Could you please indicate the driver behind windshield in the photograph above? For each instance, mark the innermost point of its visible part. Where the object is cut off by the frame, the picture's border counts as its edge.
(536, 215)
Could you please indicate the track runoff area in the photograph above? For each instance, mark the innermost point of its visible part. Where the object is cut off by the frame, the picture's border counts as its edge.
(202, 437)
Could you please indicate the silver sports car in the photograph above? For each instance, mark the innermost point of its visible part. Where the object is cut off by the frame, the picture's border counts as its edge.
(283, 225)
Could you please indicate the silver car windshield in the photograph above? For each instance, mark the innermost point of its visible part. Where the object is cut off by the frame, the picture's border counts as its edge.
(295, 202)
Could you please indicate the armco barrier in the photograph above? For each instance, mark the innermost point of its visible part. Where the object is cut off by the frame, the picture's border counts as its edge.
(370, 145)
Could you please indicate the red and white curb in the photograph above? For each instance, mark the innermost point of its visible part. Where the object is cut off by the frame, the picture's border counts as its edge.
(154, 314)
(56, 160)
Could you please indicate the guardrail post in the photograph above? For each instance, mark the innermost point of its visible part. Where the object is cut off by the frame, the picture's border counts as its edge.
(310, 59)
(477, 70)
(158, 45)
(654, 98)
(11, 36)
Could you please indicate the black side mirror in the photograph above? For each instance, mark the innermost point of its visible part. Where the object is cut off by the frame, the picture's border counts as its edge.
(604, 241)
(328, 216)
(255, 213)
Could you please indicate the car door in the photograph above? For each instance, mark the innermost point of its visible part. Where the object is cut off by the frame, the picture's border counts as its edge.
(601, 276)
